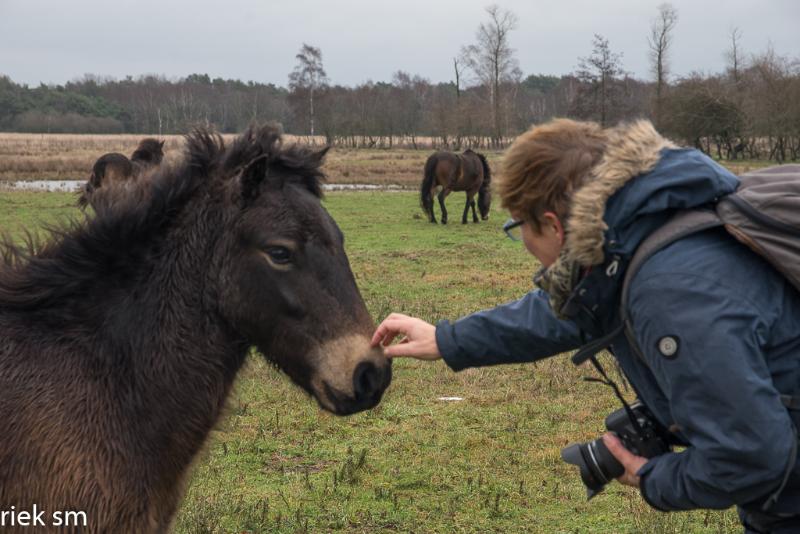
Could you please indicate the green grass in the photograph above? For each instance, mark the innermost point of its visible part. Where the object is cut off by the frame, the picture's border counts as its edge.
(489, 463)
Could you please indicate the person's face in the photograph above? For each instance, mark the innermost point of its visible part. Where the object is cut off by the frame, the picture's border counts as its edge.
(547, 242)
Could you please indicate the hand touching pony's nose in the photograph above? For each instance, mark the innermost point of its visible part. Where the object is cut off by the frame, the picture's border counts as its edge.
(418, 341)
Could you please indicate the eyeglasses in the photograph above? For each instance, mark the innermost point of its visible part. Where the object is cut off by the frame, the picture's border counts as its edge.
(513, 229)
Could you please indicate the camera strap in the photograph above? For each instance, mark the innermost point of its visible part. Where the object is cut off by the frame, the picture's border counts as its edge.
(589, 350)
(589, 353)
(606, 380)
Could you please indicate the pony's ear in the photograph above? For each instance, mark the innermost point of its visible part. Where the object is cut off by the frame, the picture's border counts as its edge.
(161, 144)
(317, 157)
(252, 176)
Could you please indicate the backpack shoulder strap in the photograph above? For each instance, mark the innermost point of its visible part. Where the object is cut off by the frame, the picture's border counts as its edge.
(682, 224)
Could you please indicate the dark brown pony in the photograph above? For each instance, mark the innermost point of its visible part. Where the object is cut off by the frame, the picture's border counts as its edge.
(121, 337)
(115, 170)
(467, 172)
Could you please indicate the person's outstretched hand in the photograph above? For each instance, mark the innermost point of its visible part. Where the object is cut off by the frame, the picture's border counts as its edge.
(419, 339)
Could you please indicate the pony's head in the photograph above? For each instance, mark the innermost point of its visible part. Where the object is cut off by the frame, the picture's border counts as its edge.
(284, 279)
(149, 151)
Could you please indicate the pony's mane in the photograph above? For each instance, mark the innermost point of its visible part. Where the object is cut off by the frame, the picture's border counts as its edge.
(117, 242)
(300, 164)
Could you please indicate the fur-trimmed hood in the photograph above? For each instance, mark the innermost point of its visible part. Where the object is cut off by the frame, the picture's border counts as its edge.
(641, 180)
(631, 150)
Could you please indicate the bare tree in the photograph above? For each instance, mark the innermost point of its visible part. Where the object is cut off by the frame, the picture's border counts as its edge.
(598, 73)
(734, 56)
(492, 60)
(409, 95)
(458, 67)
(659, 41)
(772, 102)
(308, 77)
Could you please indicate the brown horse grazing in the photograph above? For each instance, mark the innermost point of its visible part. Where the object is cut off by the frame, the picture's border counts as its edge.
(115, 170)
(453, 172)
(120, 338)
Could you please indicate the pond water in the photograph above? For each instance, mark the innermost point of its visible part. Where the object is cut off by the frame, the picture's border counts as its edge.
(72, 185)
(44, 185)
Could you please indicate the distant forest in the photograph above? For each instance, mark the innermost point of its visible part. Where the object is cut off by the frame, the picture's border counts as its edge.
(752, 109)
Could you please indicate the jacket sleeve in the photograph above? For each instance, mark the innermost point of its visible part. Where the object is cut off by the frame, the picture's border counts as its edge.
(521, 331)
(720, 394)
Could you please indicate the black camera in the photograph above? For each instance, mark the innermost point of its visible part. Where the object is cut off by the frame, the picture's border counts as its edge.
(643, 437)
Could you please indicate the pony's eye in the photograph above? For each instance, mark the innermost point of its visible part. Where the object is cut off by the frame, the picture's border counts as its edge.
(279, 255)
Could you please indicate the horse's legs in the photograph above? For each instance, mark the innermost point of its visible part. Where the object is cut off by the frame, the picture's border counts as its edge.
(470, 204)
(474, 214)
(431, 214)
(442, 196)
(466, 210)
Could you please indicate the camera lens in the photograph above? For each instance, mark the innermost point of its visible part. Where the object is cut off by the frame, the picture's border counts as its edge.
(597, 465)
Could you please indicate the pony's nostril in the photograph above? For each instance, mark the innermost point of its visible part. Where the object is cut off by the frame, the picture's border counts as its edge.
(366, 380)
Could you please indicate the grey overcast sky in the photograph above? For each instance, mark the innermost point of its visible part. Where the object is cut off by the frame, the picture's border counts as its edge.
(59, 40)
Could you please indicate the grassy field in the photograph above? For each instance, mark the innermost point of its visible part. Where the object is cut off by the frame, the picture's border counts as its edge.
(489, 463)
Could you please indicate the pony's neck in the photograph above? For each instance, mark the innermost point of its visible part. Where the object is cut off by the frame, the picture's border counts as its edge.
(184, 356)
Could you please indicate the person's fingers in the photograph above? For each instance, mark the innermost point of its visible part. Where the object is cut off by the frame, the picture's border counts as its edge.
(396, 351)
(389, 328)
(615, 447)
(389, 338)
(412, 349)
(403, 350)
(417, 341)
(378, 336)
(631, 462)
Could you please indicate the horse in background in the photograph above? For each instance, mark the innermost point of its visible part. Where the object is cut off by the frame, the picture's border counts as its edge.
(114, 171)
(467, 172)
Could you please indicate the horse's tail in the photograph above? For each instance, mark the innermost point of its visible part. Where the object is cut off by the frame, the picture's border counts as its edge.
(98, 171)
(485, 191)
(425, 196)
(85, 192)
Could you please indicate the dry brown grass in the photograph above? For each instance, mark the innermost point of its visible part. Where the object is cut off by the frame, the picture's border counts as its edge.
(71, 156)
(64, 156)
(383, 166)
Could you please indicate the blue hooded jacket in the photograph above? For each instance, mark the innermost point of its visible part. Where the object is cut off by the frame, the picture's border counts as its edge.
(735, 320)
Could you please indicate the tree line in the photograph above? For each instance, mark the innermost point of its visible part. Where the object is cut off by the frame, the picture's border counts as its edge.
(751, 109)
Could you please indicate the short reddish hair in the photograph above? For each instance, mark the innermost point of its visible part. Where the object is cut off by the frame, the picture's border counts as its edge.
(544, 166)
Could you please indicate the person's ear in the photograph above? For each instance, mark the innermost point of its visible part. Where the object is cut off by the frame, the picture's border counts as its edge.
(551, 222)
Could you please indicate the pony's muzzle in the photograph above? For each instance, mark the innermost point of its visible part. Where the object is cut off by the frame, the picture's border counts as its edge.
(352, 377)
